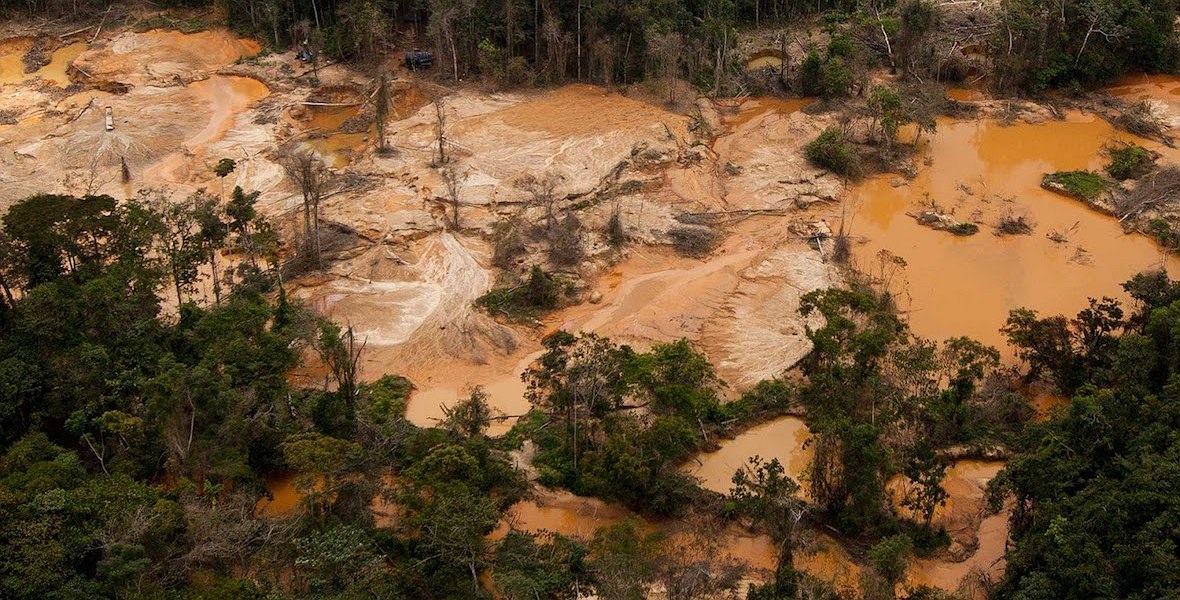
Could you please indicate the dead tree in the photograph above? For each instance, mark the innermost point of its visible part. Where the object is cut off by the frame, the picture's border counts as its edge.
(341, 352)
(453, 182)
(665, 49)
(441, 122)
(309, 174)
(542, 189)
(382, 111)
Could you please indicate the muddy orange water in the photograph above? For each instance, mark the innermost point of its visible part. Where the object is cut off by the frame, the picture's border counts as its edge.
(755, 108)
(336, 148)
(226, 96)
(980, 171)
(285, 494)
(966, 520)
(562, 512)
(579, 517)
(506, 394)
(964, 94)
(59, 63)
(12, 67)
(764, 59)
(1139, 86)
(783, 439)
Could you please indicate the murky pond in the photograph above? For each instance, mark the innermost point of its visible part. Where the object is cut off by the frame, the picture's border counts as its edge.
(327, 139)
(226, 97)
(979, 537)
(980, 171)
(564, 513)
(506, 395)
(767, 59)
(59, 63)
(12, 67)
(285, 495)
(783, 439)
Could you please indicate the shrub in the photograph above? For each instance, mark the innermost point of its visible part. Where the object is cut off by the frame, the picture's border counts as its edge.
(836, 78)
(565, 242)
(832, 151)
(963, 229)
(509, 245)
(1128, 161)
(693, 241)
(615, 233)
(809, 74)
(1083, 185)
(1013, 225)
(540, 293)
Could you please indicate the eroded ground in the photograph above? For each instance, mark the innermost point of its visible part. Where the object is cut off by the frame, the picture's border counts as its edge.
(407, 282)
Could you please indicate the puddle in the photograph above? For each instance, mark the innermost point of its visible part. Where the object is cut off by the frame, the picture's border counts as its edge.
(336, 147)
(59, 63)
(766, 59)
(12, 66)
(329, 118)
(505, 394)
(964, 94)
(758, 107)
(226, 96)
(981, 171)
(564, 513)
(286, 496)
(782, 439)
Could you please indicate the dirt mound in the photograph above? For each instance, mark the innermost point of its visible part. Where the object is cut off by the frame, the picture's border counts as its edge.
(576, 132)
(763, 158)
(740, 306)
(414, 313)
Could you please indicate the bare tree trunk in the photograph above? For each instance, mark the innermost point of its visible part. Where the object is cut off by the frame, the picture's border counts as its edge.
(441, 120)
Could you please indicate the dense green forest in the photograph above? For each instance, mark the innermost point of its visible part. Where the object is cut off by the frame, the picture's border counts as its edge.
(1030, 44)
(137, 425)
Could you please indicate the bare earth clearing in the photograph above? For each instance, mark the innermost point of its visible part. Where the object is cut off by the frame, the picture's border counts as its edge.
(407, 281)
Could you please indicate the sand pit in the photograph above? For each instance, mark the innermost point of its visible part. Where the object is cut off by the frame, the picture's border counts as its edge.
(577, 132)
(162, 57)
(415, 312)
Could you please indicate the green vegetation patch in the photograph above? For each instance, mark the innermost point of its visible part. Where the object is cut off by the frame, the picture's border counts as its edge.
(963, 229)
(1083, 185)
(540, 293)
(1129, 161)
(832, 151)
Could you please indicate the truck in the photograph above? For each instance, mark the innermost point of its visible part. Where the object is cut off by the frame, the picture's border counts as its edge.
(418, 60)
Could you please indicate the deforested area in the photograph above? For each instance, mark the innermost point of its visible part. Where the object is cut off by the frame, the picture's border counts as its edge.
(589, 299)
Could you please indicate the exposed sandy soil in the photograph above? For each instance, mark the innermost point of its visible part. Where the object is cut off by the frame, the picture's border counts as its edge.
(176, 113)
(160, 58)
(407, 284)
